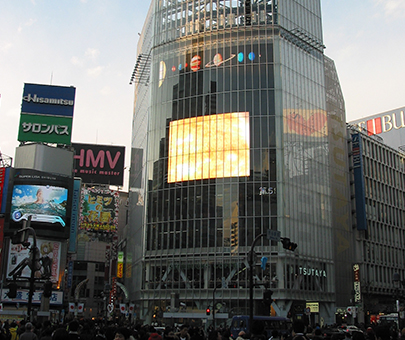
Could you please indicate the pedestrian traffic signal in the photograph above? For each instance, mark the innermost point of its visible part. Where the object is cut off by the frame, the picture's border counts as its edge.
(208, 311)
(12, 290)
(47, 289)
(267, 297)
(287, 244)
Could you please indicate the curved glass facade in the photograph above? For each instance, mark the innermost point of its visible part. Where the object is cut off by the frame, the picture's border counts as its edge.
(237, 144)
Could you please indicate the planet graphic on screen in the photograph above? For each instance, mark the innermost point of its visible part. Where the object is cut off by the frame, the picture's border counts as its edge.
(180, 67)
(218, 60)
(240, 57)
(195, 63)
(162, 72)
(251, 56)
(173, 68)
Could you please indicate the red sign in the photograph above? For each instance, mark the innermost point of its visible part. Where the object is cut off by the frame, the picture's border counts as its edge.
(2, 179)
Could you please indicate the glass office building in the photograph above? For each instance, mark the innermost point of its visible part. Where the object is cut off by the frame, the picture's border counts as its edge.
(231, 138)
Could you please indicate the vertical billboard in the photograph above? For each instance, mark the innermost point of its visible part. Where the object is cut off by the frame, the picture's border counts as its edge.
(361, 217)
(99, 210)
(74, 221)
(4, 178)
(47, 264)
(46, 114)
(100, 164)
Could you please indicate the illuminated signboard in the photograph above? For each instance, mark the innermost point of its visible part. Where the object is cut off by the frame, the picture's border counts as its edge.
(120, 265)
(43, 196)
(213, 146)
(99, 210)
(101, 164)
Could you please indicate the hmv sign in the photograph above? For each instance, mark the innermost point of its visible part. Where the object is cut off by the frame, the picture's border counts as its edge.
(99, 164)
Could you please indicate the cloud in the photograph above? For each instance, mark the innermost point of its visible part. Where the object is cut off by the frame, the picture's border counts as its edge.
(95, 71)
(393, 8)
(29, 23)
(92, 53)
(76, 61)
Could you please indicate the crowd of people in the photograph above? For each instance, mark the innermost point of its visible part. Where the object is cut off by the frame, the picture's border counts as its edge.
(99, 330)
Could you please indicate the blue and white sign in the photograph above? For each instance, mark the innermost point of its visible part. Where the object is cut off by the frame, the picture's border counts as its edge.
(48, 100)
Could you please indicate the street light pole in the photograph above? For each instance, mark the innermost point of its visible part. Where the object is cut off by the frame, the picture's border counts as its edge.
(32, 278)
(251, 264)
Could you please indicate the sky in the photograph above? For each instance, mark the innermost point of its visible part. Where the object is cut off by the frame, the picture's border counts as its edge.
(91, 45)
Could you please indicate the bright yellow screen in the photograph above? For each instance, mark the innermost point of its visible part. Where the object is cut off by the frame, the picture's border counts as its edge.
(211, 146)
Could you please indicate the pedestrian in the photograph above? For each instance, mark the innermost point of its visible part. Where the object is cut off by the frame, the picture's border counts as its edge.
(274, 335)
(183, 334)
(29, 332)
(74, 330)
(124, 333)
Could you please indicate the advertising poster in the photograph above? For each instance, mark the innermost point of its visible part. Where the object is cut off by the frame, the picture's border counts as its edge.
(99, 210)
(47, 260)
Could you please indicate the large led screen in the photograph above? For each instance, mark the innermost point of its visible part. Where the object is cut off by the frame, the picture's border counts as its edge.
(43, 197)
(44, 203)
(213, 146)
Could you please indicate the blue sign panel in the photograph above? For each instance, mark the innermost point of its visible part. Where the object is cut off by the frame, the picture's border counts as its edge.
(359, 182)
(48, 100)
(74, 221)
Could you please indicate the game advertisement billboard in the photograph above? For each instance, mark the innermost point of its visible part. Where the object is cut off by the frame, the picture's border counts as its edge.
(99, 210)
(43, 196)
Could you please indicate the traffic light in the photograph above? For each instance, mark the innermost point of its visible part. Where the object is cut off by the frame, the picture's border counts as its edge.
(267, 297)
(287, 244)
(12, 290)
(21, 237)
(47, 289)
(208, 311)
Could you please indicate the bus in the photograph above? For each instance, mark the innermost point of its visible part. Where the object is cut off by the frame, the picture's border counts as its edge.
(268, 323)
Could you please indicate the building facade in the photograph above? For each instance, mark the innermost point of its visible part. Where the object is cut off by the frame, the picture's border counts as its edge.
(378, 198)
(239, 128)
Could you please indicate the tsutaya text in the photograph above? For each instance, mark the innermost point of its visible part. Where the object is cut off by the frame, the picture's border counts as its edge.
(312, 271)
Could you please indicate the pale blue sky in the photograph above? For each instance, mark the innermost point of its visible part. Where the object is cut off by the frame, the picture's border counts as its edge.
(91, 44)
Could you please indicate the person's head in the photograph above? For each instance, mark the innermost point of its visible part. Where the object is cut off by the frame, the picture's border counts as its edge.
(60, 334)
(29, 326)
(214, 335)
(122, 334)
(74, 326)
(274, 333)
(298, 326)
(382, 332)
(183, 331)
(318, 332)
(241, 334)
(155, 336)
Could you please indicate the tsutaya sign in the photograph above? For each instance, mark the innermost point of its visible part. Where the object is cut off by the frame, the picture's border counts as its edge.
(308, 271)
(388, 125)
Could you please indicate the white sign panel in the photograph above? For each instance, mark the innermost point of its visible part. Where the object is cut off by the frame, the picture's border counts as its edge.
(22, 297)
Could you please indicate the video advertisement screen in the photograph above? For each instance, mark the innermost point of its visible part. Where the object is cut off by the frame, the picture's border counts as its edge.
(213, 146)
(43, 196)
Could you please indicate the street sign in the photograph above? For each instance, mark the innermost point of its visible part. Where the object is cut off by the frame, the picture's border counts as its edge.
(273, 235)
